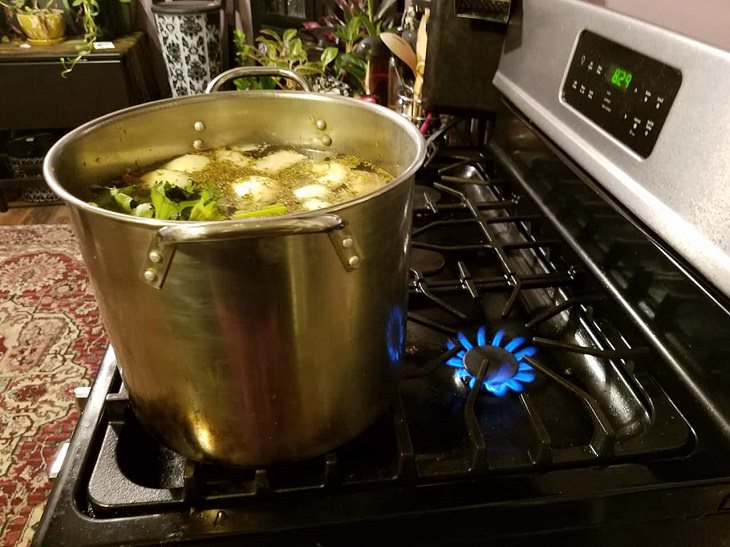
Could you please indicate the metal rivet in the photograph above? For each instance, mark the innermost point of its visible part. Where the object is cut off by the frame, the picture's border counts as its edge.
(155, 256)
(321, 124)
(347, 242)
(326, 140)
(199, 126)
(150, 275)
(354, 261)
(198, 144)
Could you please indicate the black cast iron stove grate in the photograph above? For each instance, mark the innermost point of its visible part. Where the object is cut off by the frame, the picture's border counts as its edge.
(484, 257)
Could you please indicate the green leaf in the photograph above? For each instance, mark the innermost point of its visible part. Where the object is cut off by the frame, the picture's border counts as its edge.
(206, 208)
(353, 28)
(243, 50)
(328, 55)
(289, 35)
(354, 66)
(242, 84)
(115, 199)
(296, 51)
(165, 208)
(268, 211)
(341, 33)
(270, 32)
(145, 210)
(124, 202)
(273, 34)
(266, 83)
(370, 28)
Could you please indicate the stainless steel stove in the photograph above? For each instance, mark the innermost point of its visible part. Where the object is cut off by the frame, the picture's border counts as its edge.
(564, 369)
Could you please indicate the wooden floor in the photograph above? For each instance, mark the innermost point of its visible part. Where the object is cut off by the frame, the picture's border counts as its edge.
(21, 212)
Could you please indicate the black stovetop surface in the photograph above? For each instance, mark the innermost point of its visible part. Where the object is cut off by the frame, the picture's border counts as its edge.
(589, 433)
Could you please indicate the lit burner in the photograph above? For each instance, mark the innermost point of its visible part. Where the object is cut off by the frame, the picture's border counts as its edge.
(506, 369)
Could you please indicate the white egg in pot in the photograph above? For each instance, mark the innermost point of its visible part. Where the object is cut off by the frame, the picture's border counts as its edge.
(166, 176)
(190, 163)
(312, 191)
(256, 188)
(278, 161)
(233, 156)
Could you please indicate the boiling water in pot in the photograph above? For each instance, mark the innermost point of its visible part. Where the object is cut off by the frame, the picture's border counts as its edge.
(240, 182)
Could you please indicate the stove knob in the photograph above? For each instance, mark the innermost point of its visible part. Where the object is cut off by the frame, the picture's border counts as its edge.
(57, 464)
(81, 394)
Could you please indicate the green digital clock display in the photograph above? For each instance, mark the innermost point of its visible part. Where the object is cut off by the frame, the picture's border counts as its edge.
(619, 77)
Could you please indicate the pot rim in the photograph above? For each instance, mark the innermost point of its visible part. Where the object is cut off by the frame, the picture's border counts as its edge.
(57, 150)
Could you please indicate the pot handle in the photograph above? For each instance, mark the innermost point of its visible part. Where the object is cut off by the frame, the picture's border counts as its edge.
(161, 250)
(256, 71)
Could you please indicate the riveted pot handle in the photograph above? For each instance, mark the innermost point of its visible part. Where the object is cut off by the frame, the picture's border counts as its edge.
(255, 72)
(162, 249)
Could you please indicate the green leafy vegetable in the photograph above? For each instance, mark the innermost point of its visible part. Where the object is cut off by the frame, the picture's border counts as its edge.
(206, 208)
(165, 208)
(144, 210)
(115, 199)
(165, 202)
(268, 211)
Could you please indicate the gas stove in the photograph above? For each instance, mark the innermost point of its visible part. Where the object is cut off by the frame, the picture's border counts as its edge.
(563, 375)
(532, 400)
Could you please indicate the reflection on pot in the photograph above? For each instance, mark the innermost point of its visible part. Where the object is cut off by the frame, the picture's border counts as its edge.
(395, 334)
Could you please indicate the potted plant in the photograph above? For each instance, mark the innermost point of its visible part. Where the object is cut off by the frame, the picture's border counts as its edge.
(88, 12)
(287, 50)
(42, 25)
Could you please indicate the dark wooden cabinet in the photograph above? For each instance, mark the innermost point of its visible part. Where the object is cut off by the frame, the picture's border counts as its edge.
(34, 95)
(283, 14)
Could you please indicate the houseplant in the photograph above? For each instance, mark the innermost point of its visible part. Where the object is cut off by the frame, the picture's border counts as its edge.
(88, 12)
(354, 27)
(288, 50)
(42, 25)
(46, 25)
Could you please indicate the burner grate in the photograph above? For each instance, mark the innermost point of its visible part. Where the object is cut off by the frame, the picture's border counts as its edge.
(523, 260)
(488, 259)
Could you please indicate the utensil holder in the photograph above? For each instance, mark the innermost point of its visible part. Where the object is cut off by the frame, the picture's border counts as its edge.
(400, 96)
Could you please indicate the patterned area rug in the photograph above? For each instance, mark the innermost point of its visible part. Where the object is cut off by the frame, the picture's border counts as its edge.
(51, 341)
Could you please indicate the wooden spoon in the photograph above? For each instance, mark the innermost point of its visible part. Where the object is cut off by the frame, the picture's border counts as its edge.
(421, 47)
(400, 48)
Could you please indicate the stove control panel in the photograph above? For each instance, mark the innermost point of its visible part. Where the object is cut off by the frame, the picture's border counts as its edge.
(626, 93)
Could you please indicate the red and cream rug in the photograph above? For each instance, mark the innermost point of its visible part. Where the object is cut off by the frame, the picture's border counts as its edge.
(51, 341)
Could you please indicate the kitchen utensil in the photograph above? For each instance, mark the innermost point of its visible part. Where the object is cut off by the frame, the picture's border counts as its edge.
(253, 341)
(421, 46)
(401, 49)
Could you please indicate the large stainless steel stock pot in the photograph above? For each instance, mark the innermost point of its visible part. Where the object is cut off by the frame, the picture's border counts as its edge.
(248, 342)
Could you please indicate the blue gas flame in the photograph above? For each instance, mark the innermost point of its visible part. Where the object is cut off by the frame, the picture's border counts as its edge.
(395, 334)
(503, 380)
